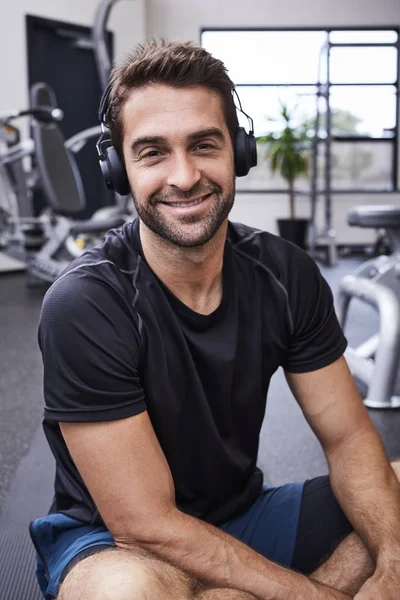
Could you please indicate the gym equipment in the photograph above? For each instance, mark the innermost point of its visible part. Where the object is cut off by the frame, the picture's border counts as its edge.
(14, 187)
(51, 242)
(15, 181)
(377, 281)
(47, 248)
(42, 94)
(47, 242)
(102, 56)
(16, 184)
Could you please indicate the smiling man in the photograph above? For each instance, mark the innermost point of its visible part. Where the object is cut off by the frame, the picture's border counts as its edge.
(181, 203)
(158, 348)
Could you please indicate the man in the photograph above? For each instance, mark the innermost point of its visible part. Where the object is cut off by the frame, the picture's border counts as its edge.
(158, 350)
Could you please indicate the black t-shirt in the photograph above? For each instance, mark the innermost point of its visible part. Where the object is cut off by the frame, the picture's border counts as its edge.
(116, 342)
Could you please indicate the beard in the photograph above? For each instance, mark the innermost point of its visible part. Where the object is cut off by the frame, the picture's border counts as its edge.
(187, 231)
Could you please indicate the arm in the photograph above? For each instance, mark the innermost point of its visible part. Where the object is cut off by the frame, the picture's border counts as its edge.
(361, 476)
(128, 477)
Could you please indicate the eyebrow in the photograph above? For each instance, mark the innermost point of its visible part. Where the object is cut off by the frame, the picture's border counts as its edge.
(157, 139)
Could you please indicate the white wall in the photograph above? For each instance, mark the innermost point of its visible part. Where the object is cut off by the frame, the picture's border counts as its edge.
(183, 19)
(127, 21)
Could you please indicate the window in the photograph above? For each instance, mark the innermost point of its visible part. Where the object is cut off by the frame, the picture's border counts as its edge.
(350, 75)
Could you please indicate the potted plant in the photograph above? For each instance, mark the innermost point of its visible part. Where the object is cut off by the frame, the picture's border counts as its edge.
(286, 152)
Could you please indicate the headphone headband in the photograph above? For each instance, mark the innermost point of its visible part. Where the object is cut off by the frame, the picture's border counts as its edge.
(240, 109)
(104, 105)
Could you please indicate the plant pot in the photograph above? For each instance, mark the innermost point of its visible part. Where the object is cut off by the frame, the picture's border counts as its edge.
(294, 230)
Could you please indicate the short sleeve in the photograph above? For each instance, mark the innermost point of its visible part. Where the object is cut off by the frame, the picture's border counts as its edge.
(90, 345)
(316, 339)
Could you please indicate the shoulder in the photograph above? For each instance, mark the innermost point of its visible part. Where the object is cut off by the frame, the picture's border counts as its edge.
(113, 261)
(270, 252)
(100, 281)
(116, 254)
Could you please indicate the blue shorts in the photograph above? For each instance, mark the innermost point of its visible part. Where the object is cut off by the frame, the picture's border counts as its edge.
(269, 527)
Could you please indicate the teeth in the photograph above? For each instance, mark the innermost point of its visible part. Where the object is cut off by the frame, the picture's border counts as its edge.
(185, 204)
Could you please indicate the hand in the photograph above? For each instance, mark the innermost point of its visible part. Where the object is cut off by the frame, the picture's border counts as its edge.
(383, 585)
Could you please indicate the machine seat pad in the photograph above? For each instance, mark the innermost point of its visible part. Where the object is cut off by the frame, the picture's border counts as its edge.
(380, 216)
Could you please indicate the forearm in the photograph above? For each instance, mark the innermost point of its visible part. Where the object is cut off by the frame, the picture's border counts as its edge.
(220, 560)
(368, 491)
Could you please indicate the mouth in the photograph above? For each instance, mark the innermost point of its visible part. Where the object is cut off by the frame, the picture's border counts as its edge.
(189, 203)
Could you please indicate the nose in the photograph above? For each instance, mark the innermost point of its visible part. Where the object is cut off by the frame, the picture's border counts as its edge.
(183, 172)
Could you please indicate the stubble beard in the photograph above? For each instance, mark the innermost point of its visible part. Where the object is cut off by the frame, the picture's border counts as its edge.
(178, 231)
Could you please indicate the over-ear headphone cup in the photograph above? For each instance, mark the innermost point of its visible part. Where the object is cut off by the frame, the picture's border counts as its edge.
(245, 152)
(115, 173)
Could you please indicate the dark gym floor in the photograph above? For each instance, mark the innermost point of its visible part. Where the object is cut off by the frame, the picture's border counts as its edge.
(288, 449)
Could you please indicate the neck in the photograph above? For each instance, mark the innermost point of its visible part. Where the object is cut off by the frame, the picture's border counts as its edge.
(194, 275)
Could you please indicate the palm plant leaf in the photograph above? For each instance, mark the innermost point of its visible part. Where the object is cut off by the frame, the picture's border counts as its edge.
(286, 150)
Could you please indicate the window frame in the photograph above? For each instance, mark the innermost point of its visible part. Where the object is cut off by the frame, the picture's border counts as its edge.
(394, 141)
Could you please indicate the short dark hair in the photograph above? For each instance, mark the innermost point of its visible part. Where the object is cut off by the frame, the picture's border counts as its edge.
(178, 64)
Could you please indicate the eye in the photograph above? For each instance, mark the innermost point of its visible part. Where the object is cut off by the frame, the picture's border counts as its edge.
(151, 154)
(204, 146)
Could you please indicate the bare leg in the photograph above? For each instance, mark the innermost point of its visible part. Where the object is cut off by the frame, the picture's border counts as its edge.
(135, 575)
(348, 568)
(125, 575)
(350, 565)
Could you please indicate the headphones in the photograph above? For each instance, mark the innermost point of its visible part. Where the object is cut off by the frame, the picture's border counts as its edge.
(113, 168)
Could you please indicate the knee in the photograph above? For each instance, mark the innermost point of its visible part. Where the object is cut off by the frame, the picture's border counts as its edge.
(103, 582)
(118, 576)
